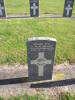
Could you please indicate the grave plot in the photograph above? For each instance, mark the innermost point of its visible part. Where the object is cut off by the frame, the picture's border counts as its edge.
(36, 8)
(68, 7)
(17, 7)
(41, 53)
(51, 7)
(50, 89)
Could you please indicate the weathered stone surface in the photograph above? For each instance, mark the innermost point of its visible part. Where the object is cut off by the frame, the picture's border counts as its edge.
(41, 53)
(2, 9)
(34, 8)
(68, 8)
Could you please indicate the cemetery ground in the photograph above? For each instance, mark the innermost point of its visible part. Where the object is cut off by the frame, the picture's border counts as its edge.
(13, 51)
(14, 34)
(21, 7)
(23, 90)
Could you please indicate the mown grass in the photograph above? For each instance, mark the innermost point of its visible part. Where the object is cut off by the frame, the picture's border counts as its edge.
(21, 7)
(17, 7)
(14, 34)
(62, 96)
(67, 96)
(25, 97)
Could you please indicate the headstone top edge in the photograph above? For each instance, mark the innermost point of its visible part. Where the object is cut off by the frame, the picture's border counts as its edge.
(41, 38)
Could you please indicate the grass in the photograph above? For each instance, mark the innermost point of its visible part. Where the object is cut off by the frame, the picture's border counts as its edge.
(67, 96)
(17, 7)
(25, 97)
(62, 96)
(21, 7)
(14, 34)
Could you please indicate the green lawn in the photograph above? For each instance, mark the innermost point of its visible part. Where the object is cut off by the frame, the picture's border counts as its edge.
(14, 34)
(62, 96)
(25, 97)
(17, 7)
(21, 7)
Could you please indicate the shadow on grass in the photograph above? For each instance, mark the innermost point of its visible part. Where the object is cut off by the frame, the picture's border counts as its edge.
(38, 85)
(54, 83)
(23, 17)
(14, 81)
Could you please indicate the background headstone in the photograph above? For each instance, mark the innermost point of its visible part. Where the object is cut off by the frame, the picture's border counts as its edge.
(2, 9)
(40, 53)
(68, 8)
(34, 8)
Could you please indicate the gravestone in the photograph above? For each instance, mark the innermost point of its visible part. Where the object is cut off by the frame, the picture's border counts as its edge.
(68, 8)
(34, 8)
(2, 9)
(40, 52)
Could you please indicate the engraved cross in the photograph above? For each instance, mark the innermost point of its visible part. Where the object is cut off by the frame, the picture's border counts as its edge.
(68, 8)
(41, 61)
(34, 7)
